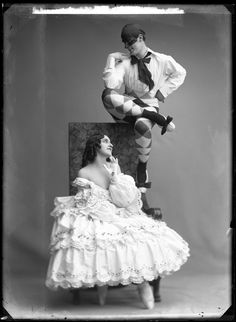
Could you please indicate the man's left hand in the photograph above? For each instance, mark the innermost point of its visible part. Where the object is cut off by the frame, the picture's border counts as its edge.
(159, 96)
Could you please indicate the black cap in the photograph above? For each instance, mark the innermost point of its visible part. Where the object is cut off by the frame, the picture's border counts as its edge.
(131, 32)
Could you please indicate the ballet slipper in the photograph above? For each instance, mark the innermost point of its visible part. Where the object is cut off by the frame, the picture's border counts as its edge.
(146, 295)
(170, 127)
(102, 293)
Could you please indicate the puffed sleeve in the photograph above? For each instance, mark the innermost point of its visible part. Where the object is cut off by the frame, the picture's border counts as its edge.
(123, 191)
(84, 191)
(91, 204)
(67, 208)
(113, 74)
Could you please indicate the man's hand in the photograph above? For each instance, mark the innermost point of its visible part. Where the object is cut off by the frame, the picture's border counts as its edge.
(118, 56)
(159, 96)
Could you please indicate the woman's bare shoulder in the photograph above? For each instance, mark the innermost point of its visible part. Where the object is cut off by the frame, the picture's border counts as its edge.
(84, 172)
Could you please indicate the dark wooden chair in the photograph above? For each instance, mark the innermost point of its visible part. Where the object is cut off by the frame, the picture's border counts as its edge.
(122, 138)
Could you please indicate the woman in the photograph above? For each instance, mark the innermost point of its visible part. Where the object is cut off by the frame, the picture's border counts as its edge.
(102, 237)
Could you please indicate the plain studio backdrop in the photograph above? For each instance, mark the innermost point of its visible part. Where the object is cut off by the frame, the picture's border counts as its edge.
(53, 68)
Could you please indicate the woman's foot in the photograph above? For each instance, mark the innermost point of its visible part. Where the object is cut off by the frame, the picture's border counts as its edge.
(146, 295)
(102, 293)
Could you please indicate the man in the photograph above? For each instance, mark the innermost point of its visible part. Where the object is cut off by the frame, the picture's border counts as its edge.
(148, 77)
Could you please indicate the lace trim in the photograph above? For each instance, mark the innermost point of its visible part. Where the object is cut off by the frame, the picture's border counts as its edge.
(90, 199)
(124, 277)
(83, 207)
(82, 196)
(65, 238)
(139, 200)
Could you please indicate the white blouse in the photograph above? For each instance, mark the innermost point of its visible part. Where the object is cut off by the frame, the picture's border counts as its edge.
(167, 75)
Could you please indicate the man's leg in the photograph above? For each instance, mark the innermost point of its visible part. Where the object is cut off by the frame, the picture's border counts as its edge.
(123, 107)
(143, 139)
(129, 109)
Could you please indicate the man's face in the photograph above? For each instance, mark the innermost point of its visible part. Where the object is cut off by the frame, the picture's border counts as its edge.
(135, 46)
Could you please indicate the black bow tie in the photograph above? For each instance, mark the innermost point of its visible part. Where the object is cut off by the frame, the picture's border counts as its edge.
(143, 73)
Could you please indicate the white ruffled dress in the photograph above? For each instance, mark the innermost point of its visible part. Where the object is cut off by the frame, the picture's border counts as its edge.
(103, 237)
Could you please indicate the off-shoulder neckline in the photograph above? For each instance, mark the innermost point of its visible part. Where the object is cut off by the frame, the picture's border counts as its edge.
(91, 182)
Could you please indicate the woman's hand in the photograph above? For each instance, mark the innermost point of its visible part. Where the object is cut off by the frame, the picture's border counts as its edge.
(112, 168)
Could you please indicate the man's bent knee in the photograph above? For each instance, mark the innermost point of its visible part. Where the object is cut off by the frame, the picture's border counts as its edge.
(107, 92)
(142, 126)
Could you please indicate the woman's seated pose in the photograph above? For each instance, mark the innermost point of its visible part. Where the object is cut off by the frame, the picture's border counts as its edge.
(102, 238)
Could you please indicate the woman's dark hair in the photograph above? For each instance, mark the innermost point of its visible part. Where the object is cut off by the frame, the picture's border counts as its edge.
(92, 145)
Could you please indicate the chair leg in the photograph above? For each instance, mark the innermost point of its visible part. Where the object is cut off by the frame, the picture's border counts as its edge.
(156, 289)
(76, 296)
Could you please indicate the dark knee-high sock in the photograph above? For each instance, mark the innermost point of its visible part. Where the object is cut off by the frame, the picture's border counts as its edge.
(141, 172)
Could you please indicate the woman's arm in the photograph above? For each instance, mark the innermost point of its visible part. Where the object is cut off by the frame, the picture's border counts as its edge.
(113, 169)
(122, 187)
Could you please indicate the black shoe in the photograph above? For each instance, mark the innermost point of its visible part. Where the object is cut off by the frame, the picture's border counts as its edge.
(164, 128)
(155, 213)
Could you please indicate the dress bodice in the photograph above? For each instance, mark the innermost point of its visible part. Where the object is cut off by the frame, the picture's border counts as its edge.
(123, 192)
(89, 188)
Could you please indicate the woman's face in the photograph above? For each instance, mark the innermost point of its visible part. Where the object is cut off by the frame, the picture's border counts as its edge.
(106, 147)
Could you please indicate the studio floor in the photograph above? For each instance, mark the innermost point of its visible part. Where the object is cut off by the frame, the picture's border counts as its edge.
(182, 296)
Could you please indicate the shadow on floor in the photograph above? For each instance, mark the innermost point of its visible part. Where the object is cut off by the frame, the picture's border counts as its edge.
(183, 296)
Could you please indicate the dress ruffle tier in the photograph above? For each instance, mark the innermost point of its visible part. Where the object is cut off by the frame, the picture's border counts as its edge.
(103, 237)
